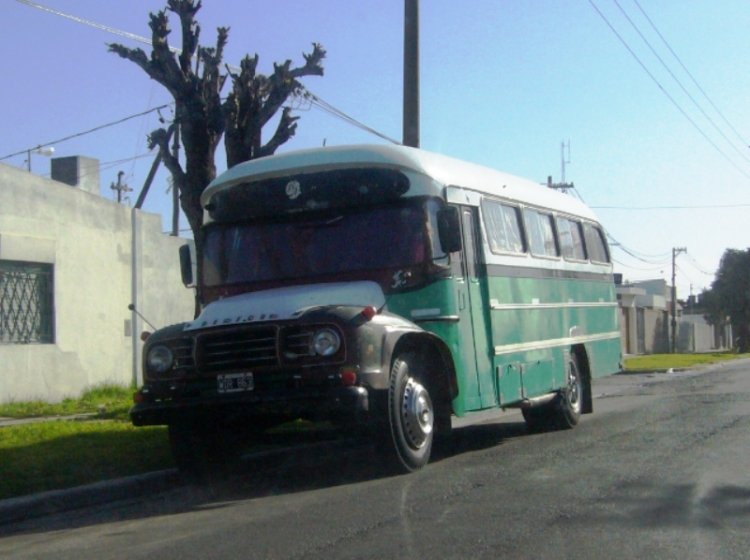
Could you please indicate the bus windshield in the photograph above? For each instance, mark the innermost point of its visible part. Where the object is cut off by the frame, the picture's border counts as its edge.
(298, 247)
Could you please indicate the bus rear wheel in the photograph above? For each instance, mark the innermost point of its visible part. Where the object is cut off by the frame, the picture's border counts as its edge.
(406, 442)
(564, 412)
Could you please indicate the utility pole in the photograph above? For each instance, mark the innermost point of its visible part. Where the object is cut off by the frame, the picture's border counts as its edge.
(673, 307)
(120, 187)
(411, 74)
(175, 194)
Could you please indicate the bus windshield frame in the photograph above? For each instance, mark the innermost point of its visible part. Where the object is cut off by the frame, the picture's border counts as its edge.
(364, 242)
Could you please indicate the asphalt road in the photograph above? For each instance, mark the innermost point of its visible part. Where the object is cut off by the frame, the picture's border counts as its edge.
(660, 470)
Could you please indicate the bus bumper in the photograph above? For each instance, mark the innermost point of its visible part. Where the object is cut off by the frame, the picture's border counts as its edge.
(333, 403)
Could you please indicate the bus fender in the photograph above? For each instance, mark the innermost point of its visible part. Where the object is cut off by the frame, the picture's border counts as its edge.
(432, 348)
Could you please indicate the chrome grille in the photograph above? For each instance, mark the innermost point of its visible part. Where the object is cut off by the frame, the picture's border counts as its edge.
(237, 350)
(183, 353)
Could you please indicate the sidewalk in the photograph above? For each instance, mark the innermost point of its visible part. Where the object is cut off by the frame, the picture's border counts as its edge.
(22, 508)
(4, 421)
(44, 503)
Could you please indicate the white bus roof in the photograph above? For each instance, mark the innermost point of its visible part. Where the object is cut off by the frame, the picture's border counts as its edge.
(444, 170)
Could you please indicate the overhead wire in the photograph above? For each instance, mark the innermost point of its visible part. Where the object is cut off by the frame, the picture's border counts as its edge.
(95, 25)
(665, 92)
(679, 83)
(674, 207)
(89, 131)
(305, 93)
(690, 75)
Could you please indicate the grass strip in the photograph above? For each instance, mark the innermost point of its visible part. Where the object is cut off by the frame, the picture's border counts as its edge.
(660, 362)
(107, 401)
(60, 454)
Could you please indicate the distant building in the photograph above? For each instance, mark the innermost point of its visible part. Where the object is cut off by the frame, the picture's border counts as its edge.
(70, 264)
(645, 322)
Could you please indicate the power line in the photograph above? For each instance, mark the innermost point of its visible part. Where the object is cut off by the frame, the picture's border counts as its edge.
(644, 269)
(679, 83)
(665, 92)
(698, 266)
(89, 131)
(306, 93)
(95, 25)
(677, 58)
(328, 108)
(673, 207)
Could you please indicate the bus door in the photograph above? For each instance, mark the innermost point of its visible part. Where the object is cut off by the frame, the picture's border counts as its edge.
(474, 313)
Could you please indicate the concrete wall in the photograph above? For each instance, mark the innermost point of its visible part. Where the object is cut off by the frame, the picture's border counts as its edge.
(89, 242)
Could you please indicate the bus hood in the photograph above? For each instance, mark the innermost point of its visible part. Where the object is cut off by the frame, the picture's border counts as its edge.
(286, 303)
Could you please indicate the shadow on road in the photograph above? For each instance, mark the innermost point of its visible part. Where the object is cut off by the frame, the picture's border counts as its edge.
(305, 462)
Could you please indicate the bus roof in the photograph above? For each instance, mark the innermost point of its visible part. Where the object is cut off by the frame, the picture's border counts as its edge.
(445, 170)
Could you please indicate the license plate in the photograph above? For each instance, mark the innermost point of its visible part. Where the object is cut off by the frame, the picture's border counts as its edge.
(234, 382)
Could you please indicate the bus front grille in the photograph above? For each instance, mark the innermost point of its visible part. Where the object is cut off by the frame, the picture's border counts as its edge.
(237, 350)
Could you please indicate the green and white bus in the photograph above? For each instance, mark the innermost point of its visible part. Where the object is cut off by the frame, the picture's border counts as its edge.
(384, 288)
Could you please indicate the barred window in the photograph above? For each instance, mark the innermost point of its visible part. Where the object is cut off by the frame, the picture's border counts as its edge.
(26, 303)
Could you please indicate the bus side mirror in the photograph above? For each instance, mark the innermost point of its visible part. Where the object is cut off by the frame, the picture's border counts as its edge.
(449, 229)
(186, 265)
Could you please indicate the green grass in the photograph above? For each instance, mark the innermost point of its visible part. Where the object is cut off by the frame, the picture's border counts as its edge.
(657, 362)
(61, 454)
(107, 401)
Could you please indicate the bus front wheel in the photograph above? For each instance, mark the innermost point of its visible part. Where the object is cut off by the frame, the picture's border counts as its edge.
(406, 443)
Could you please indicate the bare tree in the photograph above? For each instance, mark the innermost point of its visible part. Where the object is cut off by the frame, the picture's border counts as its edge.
(195, 79)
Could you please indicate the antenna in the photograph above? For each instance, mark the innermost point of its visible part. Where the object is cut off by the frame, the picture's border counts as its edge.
(564, 159)
(562, 185)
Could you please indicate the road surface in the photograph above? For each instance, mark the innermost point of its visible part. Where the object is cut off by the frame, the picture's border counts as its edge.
(660, 470)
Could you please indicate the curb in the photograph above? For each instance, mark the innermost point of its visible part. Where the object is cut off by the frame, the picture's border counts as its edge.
(22, 508)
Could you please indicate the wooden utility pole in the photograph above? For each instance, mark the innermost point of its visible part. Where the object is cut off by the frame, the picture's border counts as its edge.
(120, 187)
(411, 73)
(175, 190)
(673, 307)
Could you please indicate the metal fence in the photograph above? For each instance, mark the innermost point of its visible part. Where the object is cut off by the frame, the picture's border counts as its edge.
(26, 303)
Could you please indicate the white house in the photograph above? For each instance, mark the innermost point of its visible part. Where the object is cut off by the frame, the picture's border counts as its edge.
(71, 262)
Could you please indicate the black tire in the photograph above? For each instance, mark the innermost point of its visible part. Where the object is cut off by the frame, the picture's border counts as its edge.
(201, 450)
(406, 441)
(570, 403)
(564, 412)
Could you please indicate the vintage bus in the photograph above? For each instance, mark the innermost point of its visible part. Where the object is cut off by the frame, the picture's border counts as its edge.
(385, 289)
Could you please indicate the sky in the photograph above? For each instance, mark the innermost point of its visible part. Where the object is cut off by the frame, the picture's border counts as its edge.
(650, 96)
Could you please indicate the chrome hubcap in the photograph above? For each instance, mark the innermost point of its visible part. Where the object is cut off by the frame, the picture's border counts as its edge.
(417, 416)
(573, 393)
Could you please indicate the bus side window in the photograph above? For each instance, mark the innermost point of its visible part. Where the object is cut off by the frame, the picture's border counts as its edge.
(541, 233)
(470, 250)
(503, 225)
(595, 243)
(571, 239)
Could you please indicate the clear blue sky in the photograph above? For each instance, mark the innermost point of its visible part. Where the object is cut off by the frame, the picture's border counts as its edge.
(503, 83)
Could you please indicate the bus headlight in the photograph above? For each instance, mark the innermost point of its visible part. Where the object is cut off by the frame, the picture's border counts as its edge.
(326, 342)
(159, 358)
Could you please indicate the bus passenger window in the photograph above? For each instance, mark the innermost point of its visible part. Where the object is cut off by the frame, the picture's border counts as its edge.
(503, 224)
(571, 239)
(595, 243)
(541, 233)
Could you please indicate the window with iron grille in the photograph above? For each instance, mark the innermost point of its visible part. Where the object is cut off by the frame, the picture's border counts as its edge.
(26, 303)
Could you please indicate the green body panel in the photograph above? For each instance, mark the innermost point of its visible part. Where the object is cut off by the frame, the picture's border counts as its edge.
(512, 335)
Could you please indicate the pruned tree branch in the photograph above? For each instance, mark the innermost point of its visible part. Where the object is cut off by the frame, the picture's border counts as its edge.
(195, 79)
(286, 128)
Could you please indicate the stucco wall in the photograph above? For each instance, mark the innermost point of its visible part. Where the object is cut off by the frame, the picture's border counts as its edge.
(89, 242)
